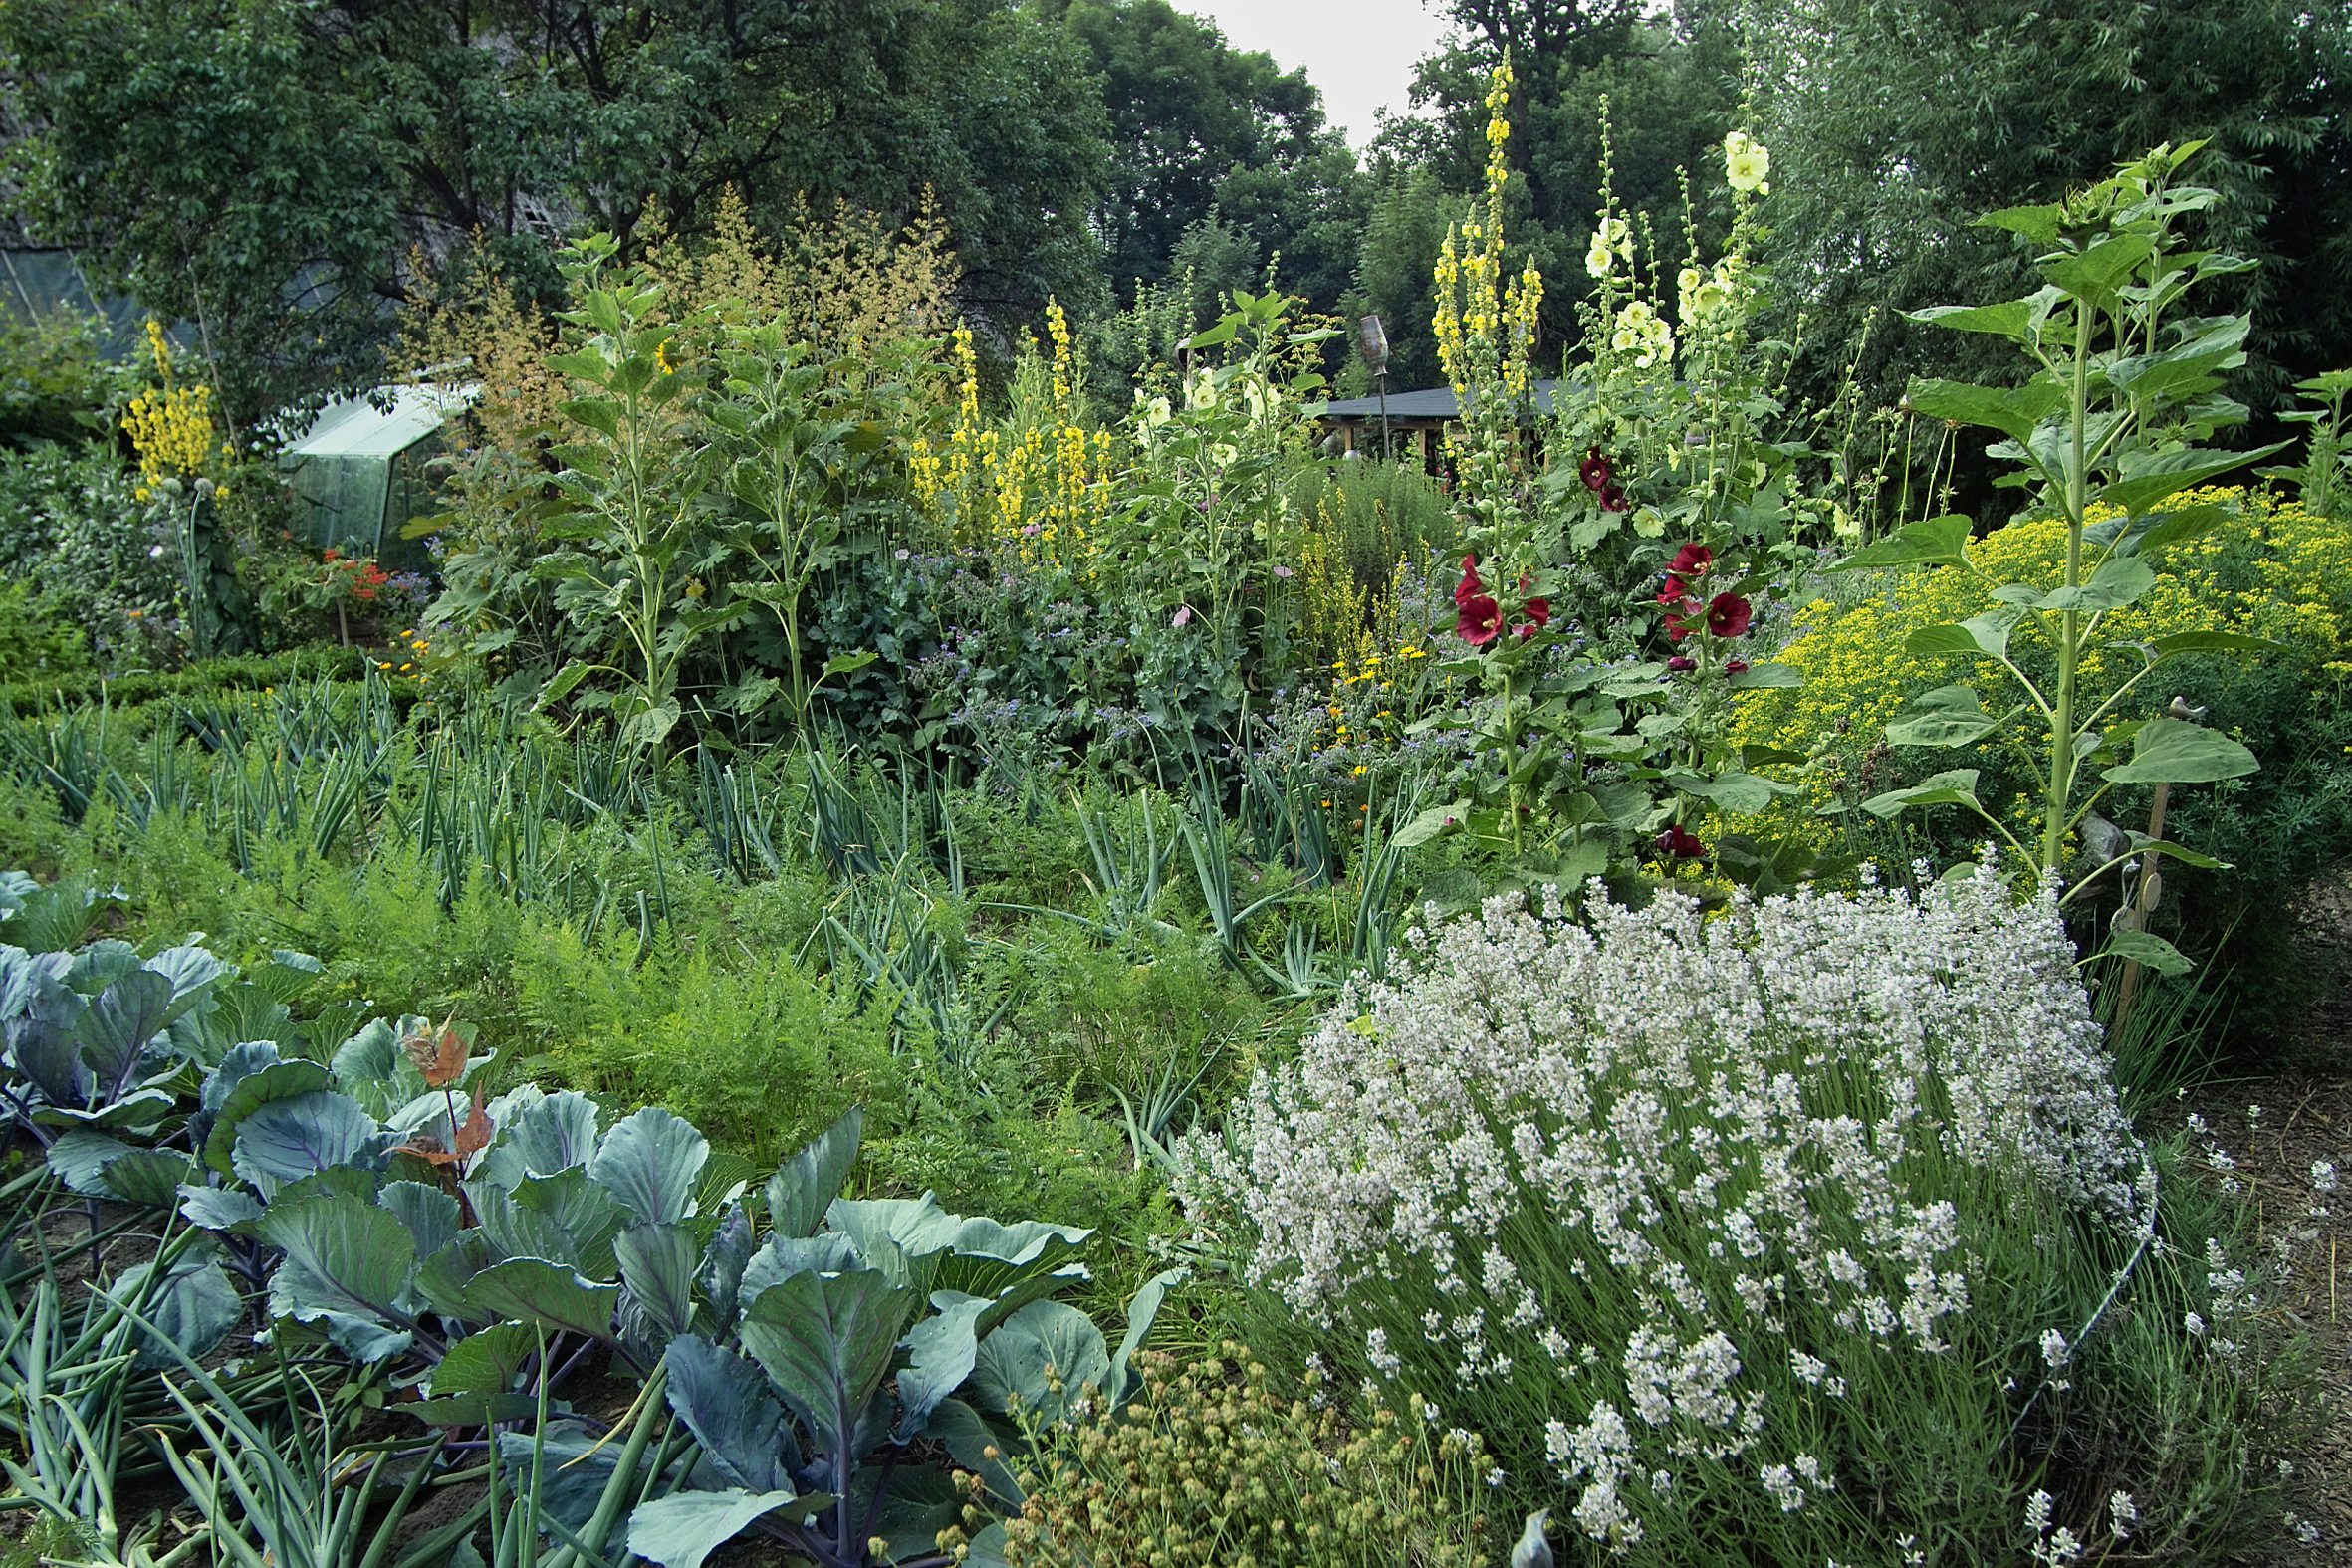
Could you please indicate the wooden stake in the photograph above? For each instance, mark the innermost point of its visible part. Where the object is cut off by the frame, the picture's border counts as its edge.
(2144, 896)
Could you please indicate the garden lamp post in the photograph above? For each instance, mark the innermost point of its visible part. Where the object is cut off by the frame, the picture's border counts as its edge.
(1373, 342)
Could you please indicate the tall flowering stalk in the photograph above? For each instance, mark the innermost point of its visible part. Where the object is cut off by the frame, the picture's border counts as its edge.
(1485, 331)
(1039, 488)
(2123, 387)
(170, 425)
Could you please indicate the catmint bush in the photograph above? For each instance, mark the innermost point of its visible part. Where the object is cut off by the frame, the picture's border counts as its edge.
(1753, 1237)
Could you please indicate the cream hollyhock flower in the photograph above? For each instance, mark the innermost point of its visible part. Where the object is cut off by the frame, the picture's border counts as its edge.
(1746, 163)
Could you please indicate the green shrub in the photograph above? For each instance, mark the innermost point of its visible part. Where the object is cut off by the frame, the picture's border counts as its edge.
(56, 383)
(1375, 514)
(195, 682)
(2273, 571)
(35, 646)
(101, 559)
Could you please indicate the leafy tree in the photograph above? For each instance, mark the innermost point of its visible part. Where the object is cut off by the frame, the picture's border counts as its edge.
(1670, 81)
(1894, 122)
(1202, 134)
(264, 168)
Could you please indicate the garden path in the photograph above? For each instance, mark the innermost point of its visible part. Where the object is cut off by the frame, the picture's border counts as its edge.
(2305, 1115)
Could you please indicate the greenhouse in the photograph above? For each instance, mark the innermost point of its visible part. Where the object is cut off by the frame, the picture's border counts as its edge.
(359, 473)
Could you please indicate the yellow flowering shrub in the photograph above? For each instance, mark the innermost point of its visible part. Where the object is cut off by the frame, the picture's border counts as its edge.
(2273, 571)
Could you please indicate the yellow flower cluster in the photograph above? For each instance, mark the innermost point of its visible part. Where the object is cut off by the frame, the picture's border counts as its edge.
(1045, 491)
(416, 666)
(2273, 571)
(170, 425)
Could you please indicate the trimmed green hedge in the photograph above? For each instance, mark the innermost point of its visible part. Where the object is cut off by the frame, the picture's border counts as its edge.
(245, 672)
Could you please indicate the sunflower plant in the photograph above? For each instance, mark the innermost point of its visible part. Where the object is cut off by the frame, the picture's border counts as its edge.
(2126, 388)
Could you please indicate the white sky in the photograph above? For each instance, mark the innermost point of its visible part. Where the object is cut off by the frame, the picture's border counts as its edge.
(1359, 51)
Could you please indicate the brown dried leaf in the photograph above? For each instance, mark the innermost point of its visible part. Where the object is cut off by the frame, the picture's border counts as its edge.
(440, 1054)
(472, 1136)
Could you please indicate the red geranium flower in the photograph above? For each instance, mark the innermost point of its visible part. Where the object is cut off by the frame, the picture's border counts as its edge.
(1727, 615)
(1676, 844)
(1481, 620)
(1692, 561)
(1595, 470)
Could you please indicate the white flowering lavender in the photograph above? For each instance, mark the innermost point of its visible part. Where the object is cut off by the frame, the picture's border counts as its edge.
(1683, 1179)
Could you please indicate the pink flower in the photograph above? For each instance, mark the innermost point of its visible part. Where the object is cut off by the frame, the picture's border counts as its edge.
(1183, 617)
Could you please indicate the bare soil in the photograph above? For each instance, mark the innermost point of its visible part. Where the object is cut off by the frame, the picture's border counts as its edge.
(2276, 1118)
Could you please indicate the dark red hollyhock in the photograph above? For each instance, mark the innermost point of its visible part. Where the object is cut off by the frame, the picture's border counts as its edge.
(1595, 470)
(1727, 615)
(1680, 663)
(1676, 593)
(1614, 499)
(1676, 844)
(1537, 611)
(1470, 585)
(1735, 666)
(1692, 561)
(1480, 622)
(1682, 618)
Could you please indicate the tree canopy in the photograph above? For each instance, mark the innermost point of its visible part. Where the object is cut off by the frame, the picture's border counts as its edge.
(265, 169)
